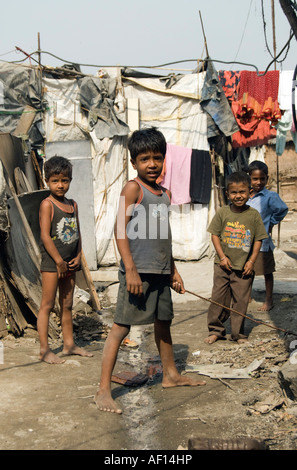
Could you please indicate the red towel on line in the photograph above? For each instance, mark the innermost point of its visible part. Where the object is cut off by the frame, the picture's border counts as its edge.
(256, 109)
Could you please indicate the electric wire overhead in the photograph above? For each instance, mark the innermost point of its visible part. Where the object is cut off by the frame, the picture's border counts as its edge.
(266, 41)
(39, 52)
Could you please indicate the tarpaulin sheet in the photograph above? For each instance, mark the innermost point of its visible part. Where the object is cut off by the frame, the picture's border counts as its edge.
(97, 97)
(20, 86)
(175, 111)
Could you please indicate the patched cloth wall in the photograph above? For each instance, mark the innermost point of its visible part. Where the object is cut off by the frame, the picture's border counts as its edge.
(68, 120)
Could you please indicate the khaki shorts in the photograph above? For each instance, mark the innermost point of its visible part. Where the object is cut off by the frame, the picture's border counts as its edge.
(154, 303)
(265, 263)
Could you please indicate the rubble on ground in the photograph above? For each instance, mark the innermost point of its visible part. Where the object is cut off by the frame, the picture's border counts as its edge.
(271, 395)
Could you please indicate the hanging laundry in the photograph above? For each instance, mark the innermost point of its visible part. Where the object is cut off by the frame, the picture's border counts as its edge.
(201, 177)
(294, 112)
(285, 89)
(294, 135)
(229, 80)
(177, 175)
(257, 108)
(163, 173)
(257, 153)
(283, 126)
(240, 159)
(214, 103)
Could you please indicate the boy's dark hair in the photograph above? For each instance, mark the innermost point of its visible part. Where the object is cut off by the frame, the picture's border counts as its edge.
(56, 165)
(257, 165)
(238, 177)
(147, 139)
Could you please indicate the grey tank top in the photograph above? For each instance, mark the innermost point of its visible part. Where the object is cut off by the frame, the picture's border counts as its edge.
(64, 233)
(149, 231)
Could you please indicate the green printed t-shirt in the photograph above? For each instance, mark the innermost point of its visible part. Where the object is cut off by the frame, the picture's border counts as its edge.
(237, 232)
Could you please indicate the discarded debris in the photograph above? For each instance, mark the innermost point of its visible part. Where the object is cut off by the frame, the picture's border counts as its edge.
(269, 403)
(196, 353)
(287, 378)
(225, 371)
(154, 370)
(192, 417)
(130, 378)
(129, 343)
(246, 443)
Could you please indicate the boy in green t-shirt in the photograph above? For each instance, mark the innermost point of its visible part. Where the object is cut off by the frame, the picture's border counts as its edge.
(237, 232)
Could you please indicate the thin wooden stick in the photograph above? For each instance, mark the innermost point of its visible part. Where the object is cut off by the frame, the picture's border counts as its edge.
(242, 314)
(89, 281)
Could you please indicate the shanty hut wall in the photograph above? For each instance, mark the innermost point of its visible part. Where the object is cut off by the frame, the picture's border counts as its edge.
(176, 112)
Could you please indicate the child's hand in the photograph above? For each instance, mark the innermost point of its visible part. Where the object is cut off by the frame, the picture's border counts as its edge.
(62, 269)
(225, 263)
(248, 268)
(134, 282)
(176, 283)
(74, 264)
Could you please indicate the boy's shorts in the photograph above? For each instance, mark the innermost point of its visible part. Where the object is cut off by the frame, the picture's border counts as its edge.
(265, 263)
(154, 303)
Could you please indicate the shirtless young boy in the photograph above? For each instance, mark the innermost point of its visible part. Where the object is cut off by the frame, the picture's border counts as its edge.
(147, 270)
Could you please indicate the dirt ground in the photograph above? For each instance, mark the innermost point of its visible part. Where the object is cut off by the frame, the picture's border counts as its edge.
(51, 407)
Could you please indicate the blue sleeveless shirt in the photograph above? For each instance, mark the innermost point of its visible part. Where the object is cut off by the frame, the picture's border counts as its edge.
(149, 231)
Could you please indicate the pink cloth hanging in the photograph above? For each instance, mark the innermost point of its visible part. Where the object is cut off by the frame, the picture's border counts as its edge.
(178, 172)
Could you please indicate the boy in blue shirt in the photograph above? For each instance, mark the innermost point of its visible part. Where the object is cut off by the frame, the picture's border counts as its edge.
(272, 210)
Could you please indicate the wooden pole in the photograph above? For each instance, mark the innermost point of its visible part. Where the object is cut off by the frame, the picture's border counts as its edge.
(215, 188)
(89, 281)
(277, 186)
(205, 42)
(39, 50)
(277, 157)
(273, 31)
(35, 252)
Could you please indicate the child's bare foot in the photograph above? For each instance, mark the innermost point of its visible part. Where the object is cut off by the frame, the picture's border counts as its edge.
(50, 357)
(181, 381)
(75, 350)
(211, 339)
(266, 307)
(105, 402)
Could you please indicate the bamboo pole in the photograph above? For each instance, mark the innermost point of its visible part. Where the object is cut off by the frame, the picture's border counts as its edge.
(89, 281)
(32, 242)
(277, 157)
(205, 42)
